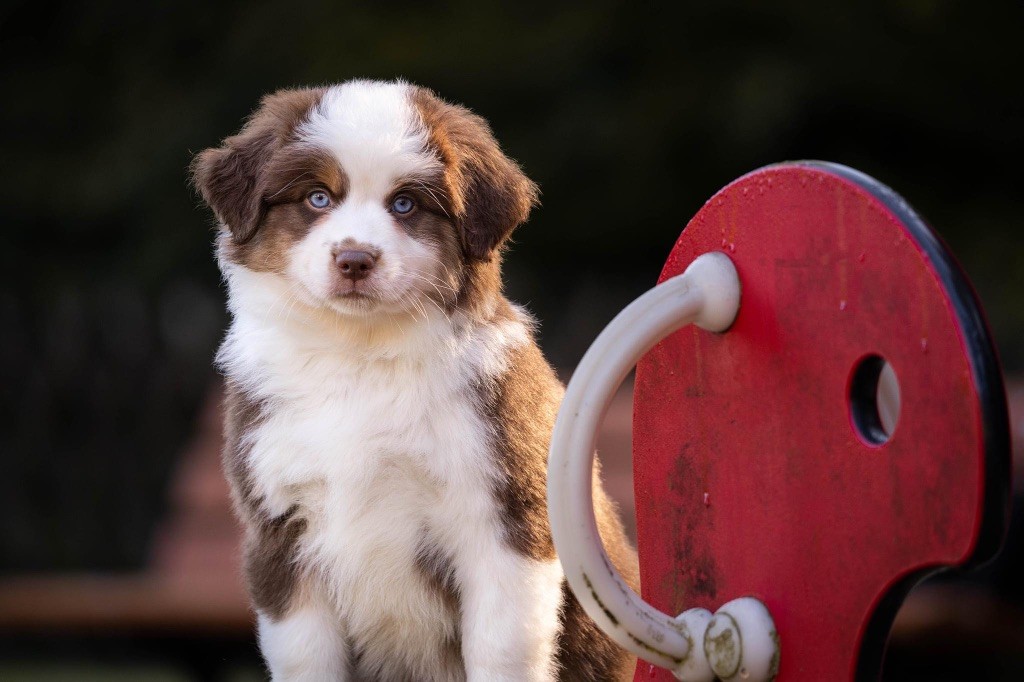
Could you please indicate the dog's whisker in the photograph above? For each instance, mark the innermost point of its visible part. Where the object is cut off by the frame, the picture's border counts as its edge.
(295, 180)
(429, 190)
(438, 305)
(292, 301)
(393, 320)
(433, 281)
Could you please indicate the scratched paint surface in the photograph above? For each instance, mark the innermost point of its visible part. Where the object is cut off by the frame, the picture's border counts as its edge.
(749, 476)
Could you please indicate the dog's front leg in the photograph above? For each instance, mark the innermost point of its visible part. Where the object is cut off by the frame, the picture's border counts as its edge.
(306, 644)
(510, 606)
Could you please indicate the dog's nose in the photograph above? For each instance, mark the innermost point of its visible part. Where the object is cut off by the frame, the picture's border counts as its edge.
(355, 265)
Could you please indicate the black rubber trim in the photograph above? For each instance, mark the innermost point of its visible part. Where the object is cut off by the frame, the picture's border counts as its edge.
(988, 378)
(876, 635)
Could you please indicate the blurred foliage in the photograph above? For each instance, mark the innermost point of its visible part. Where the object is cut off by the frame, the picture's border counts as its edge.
(628, 116)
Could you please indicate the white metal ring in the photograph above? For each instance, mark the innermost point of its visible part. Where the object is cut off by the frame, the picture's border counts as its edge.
(708, 295)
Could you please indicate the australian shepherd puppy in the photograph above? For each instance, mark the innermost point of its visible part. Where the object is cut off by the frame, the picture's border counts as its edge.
(388, 410)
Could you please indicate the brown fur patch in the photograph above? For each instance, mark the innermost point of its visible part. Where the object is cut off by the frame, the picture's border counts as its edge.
(271, 571)
(290, 175)
(241, 415)
(232, 178)
(459, 283)
(430, 224)
(488, 192)
(585, 653)
(522, 404)
(485, 194)
(480, 289)
(270, 543)
(439, 575)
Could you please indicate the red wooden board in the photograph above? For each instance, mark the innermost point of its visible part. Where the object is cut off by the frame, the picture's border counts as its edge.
(750, 476)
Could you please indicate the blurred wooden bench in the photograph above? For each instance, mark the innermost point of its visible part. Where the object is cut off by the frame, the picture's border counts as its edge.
(192, 583)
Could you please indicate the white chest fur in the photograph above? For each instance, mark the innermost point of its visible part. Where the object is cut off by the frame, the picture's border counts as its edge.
(383, 454)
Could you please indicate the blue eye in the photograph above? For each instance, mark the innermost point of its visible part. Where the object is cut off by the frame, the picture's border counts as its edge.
(319, 199)
(402, 204)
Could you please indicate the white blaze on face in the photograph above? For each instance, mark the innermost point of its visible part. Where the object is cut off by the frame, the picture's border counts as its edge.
(378, 139)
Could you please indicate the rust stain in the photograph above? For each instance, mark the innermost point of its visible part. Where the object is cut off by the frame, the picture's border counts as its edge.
(696, 575)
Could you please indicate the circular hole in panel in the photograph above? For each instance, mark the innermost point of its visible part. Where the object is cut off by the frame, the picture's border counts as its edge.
(874, 399)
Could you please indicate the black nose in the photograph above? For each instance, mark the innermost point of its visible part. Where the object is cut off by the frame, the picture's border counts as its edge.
(355, 265)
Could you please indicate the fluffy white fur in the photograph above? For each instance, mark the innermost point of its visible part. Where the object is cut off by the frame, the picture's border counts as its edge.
(375, 437)
(308, 646)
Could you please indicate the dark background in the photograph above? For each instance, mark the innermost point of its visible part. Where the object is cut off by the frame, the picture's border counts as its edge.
(628, 117)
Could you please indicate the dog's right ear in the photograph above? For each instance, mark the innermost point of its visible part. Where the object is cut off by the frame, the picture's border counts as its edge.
(230, 178)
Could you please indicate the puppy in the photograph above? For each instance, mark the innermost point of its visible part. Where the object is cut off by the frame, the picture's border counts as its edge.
(388, 410)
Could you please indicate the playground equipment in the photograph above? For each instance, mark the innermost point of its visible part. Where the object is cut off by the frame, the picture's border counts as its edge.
(830, 430)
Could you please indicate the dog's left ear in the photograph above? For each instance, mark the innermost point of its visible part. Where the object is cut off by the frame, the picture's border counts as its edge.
(498, 198)
(490, 194)
(231, 177)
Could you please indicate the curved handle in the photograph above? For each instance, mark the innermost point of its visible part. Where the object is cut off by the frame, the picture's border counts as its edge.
(739, 641)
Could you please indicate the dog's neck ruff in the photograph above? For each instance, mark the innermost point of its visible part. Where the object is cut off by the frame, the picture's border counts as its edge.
(275, 337)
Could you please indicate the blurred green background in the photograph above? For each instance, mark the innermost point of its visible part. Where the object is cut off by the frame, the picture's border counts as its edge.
(627, 115)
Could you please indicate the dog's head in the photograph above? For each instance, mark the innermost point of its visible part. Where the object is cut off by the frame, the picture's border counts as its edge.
(365, 197)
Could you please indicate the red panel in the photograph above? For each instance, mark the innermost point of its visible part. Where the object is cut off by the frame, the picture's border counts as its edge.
(750, 478)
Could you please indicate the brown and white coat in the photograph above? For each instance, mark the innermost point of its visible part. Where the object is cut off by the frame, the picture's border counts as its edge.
(388, 432)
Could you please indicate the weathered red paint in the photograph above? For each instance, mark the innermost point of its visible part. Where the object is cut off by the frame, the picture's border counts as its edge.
(749, 476)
